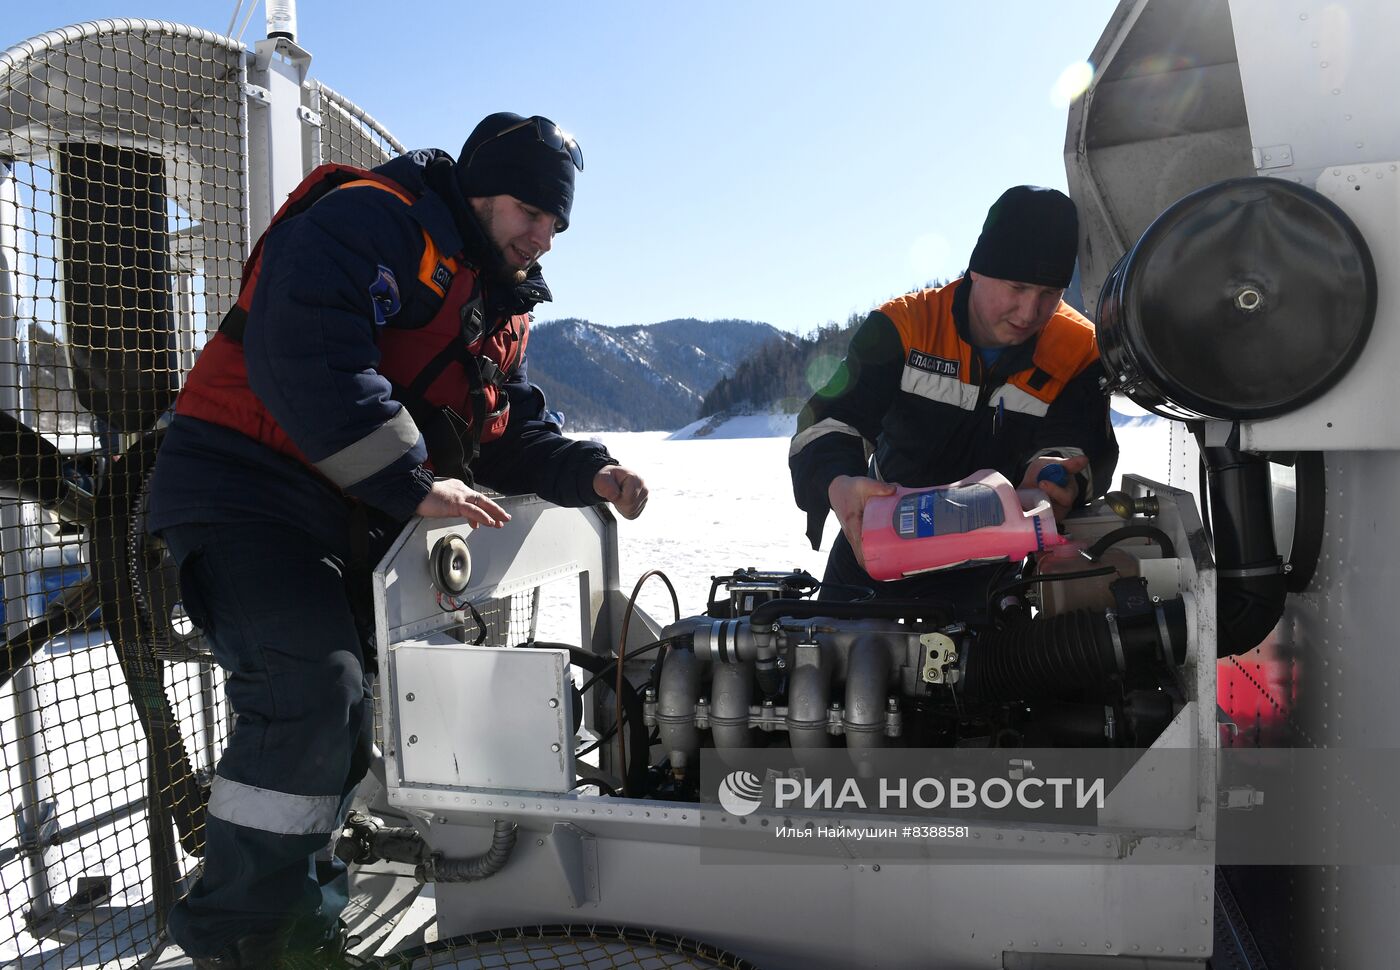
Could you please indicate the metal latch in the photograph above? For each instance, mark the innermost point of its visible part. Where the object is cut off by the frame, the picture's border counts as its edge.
(940, 652)
(1243, 798)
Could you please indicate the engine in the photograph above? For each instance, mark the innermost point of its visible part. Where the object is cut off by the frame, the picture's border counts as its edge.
(767, 664)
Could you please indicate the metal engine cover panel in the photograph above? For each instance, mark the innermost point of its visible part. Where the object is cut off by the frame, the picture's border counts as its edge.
(482, 717)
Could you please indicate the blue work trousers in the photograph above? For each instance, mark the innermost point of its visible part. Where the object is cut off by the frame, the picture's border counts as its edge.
(274, 605)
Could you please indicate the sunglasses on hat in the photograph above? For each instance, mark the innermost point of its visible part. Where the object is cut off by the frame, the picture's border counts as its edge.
(546, 132)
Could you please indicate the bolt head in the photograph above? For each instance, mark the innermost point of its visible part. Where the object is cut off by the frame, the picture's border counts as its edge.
(1249, 299)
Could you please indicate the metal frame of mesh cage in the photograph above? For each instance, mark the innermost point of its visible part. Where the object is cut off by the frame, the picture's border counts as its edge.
(124, 220)
(594, 947)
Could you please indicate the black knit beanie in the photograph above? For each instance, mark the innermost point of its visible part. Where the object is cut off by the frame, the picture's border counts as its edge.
(1031, 236)
(516, 163)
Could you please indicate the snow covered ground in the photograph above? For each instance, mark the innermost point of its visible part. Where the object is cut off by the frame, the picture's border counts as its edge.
(721, 499)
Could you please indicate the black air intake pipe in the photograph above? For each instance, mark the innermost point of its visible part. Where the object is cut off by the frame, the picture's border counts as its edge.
(1251, 584)
(1064, 655)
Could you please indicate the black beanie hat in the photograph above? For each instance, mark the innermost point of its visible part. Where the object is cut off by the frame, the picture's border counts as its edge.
(516, 163)
(1031, 236)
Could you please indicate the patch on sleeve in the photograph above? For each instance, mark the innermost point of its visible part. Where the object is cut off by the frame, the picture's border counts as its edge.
(442, 276)
(384, 294)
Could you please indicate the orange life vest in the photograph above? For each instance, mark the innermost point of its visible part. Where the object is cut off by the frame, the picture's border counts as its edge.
(449, 372)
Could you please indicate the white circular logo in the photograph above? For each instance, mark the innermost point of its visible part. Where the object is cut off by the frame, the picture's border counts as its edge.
(741, 793)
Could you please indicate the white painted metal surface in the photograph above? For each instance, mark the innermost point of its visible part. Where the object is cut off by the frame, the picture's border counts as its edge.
(449, 696)
(1140, 887)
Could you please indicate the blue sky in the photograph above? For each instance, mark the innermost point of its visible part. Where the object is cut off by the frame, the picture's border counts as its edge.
(777, 161)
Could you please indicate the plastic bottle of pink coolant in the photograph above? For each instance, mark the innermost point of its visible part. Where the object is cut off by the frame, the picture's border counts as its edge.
(981, 519)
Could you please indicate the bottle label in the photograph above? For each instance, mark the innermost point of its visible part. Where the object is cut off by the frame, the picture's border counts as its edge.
(947, 511)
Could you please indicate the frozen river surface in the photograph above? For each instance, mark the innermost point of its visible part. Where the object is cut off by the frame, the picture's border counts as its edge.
(723, 503)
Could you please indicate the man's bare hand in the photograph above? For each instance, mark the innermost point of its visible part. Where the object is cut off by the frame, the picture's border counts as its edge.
(1062, 497)
(623, 488)
(848, 495)
(453, 499)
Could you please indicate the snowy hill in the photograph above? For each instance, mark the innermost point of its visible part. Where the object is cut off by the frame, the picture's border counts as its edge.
(636, 378)
(738, 426)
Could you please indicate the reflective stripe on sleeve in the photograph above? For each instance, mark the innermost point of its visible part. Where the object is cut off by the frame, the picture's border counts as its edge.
(1014, 399)
(273, 811)
(379, 449)
(828, 426)
(939, 387)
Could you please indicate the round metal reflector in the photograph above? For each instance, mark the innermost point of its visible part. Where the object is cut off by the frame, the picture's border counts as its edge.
(1243, 300)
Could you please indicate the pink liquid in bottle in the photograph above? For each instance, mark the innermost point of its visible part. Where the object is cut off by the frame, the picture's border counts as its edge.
(980, 519)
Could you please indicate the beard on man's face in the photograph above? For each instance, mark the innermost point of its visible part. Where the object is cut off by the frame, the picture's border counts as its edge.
(505, 272)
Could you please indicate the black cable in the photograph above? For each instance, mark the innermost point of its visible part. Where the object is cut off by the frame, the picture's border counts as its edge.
(1054, 578)
(1138, 531)
(603, 786)
(598, 675)
(631, 704)
(607, 736)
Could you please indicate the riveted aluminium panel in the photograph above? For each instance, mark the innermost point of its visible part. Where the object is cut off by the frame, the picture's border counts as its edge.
(483, 717)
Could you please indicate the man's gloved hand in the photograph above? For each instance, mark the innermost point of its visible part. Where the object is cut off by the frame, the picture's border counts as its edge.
(623, 488)
(848, 495)
(1062, 496)
(453, 499)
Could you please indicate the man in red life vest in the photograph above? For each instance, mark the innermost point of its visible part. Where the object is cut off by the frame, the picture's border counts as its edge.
(372, 369)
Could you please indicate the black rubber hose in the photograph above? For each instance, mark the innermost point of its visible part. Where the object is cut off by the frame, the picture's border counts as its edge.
(1132, 532)
(1250, 583)
(476, 868)
(631, 706)
(774, 610)
(1064, 655)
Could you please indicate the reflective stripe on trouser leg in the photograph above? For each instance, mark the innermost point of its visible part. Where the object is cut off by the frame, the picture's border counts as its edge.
(274, 606)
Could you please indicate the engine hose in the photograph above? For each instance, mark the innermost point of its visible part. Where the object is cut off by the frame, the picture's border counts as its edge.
(774, 610)
(1251, 585)
(637, 736)
(475, 868)
(1063, 655)
(1132, 532)
(363, 840)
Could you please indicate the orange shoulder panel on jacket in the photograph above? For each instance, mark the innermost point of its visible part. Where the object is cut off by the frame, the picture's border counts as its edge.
(1067, 345)
(432, 256)
(924, 320)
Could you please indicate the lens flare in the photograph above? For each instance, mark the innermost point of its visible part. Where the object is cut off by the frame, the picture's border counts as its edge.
(825, 374)
(1072, 82)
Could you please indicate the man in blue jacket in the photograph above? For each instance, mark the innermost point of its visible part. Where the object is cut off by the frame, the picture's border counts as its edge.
(372, 369)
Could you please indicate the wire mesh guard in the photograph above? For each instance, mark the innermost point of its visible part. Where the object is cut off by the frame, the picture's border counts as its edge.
(123, 225)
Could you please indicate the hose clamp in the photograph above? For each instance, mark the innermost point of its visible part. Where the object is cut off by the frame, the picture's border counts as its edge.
(1112, 619)
(1164, 636)
(1274, 570)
